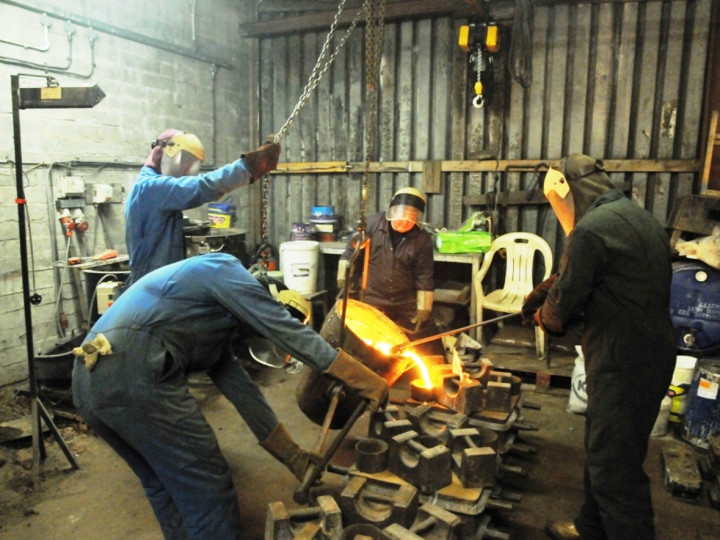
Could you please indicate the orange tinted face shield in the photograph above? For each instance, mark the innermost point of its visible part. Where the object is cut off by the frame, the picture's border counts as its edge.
(557, 192)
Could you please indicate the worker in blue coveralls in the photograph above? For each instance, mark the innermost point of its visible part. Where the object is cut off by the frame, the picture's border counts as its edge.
(169, 182)
(615, 276)
(130, 385)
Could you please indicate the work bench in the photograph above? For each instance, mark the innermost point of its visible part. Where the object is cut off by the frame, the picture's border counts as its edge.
(331, 251)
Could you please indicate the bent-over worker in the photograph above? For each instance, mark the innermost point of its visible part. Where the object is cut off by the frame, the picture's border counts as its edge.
(169, 182)
(616, 273)
(130, 385)
(400, 271)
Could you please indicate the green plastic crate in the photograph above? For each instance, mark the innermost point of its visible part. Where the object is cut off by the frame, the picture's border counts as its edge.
(463, 242)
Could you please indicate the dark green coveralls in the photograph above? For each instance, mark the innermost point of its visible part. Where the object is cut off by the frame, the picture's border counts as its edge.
(616, 269)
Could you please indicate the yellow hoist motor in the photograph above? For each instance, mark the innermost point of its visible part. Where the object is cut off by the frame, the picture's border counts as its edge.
(482, 41)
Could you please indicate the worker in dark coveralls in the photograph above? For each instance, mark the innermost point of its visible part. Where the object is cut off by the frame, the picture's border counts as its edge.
(400, 272)
(616, 274)
(130, 385)
(169, 182)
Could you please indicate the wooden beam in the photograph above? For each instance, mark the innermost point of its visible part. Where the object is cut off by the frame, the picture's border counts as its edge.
(403, 10)
(503, 10)
(469, 166)
(517, 198)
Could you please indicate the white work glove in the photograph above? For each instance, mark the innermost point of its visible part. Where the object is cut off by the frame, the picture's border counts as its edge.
(341, 273)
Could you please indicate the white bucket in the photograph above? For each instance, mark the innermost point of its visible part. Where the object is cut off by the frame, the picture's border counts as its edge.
(661, 422)
(299, 263)
(680, 386)
(577, 402)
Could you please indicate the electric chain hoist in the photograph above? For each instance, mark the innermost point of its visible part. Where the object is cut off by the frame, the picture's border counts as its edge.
(482, 41)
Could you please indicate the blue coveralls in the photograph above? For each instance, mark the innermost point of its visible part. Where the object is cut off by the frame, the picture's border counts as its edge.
(153, 212)
(616, 268)
(177, 320)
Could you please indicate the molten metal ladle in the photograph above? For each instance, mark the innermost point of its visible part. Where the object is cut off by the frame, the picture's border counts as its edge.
(399, 348)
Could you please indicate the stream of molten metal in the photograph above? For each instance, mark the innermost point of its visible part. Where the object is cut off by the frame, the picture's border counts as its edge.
(385, 348)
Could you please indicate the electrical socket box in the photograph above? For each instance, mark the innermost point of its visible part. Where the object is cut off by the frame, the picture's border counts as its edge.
(102, 193)
(105, 293)
(70, 186)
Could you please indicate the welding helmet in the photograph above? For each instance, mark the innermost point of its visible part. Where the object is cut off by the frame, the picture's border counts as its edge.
(182, 155)
(573, 187)
(406, 208)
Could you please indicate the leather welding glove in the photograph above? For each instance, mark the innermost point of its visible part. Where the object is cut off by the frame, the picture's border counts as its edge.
(357, 376)
(536, 299)
(282, 447)
(263, 159)
(421, 317)
(92, 349)
(342, 273)
(424, 309)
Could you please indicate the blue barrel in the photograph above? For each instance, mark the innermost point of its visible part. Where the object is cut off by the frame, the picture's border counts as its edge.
(695, 306)
(702, 418)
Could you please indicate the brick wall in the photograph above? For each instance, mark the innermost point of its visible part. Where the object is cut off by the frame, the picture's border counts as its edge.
(160, 65)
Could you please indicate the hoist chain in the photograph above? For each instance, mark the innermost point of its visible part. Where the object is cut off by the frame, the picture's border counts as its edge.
(315, 77)
(374, 26)
(317, 73)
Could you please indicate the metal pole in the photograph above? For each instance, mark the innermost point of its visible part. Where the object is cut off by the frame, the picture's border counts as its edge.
(28, 298)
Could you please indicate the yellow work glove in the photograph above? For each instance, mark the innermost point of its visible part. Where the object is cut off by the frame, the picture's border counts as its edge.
(92, 349)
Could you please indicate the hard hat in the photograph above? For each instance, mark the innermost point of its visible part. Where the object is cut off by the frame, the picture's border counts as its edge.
(296, 304)
(408, 204)
(573, 188)
(262, 349)
(182, 154)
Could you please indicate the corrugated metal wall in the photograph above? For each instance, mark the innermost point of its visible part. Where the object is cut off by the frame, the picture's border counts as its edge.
(617, 80)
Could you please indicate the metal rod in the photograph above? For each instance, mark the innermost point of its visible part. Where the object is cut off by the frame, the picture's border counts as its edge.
(314, 471)
(398, 348)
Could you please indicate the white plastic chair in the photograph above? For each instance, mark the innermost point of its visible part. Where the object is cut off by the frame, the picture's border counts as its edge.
(519, 249)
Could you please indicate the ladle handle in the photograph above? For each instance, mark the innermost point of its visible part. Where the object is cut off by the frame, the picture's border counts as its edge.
(315, 470)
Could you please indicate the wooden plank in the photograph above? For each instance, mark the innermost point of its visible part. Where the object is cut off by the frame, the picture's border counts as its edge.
(515, 198)
(709, 150)
(395, 11)
(432, 177)
(469, 166)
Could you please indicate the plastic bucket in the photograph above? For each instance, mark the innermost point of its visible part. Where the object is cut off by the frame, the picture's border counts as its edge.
(661, 422)
(680, 386)
(701, 423)
(299, 264)
(577, 403)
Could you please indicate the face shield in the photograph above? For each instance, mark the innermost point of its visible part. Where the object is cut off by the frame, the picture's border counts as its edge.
(182, 155)
(557, 191)
(406, 209)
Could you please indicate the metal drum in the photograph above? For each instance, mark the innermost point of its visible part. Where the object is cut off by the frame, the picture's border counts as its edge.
(366, 334)
(701, 424)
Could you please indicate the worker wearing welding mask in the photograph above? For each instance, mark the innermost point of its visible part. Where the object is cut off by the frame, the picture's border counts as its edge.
(170, 182)
(400, 271)
(130, 384)
(614, 276)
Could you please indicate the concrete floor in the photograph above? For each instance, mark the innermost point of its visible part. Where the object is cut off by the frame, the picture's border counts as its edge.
(104, 500)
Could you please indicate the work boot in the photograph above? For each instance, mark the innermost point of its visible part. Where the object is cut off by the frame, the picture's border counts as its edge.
(281, 446)
(561, 530)
(262, 160)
